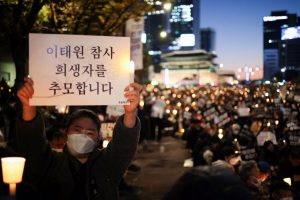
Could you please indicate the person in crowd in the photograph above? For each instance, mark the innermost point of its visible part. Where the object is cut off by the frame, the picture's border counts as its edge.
(289, 167)
(264, 170)
(250, 174)
(208, 182)
(281, 190)
(156, 118)
(206, 148)
(193, 133)
(270, 154)
(228, 157)
(82, 171)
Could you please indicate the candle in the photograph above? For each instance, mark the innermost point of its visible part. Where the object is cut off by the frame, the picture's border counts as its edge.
(131, 71)
(12, 172)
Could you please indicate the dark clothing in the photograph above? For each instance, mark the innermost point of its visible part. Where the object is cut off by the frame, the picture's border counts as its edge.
(208, 183)
(59, 175)
(287, 170)
(270, 157)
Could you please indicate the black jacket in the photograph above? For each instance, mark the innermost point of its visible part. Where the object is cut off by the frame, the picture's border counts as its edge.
(55, 174)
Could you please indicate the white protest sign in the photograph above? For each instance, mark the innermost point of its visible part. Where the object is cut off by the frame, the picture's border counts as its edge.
(79, 69)
(265, 136)
(243, 111)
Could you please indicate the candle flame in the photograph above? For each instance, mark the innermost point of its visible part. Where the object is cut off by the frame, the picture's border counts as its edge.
(131, 66)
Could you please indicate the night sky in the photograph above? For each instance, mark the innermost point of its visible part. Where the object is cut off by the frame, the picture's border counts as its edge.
(239, 28)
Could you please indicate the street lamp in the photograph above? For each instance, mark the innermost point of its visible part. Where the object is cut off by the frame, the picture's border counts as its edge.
(163, 34)
(167, 6)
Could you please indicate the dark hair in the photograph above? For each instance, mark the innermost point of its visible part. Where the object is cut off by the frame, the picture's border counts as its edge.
(267, 143)
(245, 168)
(208, 182)
(295, 152)
(227, 150)
(81, 113)
(54, 132)
(263, 166)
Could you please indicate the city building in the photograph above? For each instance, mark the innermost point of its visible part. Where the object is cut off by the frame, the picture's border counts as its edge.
(189, 67)
(290, 52)
(208, 39)
(279, 53)
(172, 27)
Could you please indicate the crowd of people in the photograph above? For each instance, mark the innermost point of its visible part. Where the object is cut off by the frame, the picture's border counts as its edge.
(252, 130)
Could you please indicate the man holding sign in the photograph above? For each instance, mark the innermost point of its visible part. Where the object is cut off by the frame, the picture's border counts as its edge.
(82, 171)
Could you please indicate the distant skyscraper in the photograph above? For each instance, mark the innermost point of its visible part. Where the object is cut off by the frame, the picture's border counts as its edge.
(290, 52)
(174, 29)
(184, 23)
(208, 39)
(278, 53)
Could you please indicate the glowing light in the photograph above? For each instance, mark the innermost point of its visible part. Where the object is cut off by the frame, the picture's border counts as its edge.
(163, 34)
(288, 181)
(167, 6)
(220, 136)
(105, 143)
(220, 131)
(142, 103)
(274, 18)
(12, 171)
(174, 112)
(154, 82)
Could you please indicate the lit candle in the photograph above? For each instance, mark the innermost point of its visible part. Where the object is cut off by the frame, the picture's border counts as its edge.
(12, 172)
(220, 135)
(131, 71)
(288, 181)
(105, 143)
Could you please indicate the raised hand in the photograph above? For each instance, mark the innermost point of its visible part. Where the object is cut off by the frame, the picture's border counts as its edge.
(132, 93)
(24, 94)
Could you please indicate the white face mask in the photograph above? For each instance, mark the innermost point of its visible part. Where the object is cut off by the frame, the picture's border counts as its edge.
(80, 144)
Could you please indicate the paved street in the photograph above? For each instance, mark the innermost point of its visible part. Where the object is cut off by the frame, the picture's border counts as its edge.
(161, 165)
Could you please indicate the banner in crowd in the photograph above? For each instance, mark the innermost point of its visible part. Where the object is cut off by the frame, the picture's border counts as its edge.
(79, 69)
(248, 152)
(293, 134)
(134, 30)
(223, 119)
(210, 113)
(264, 136)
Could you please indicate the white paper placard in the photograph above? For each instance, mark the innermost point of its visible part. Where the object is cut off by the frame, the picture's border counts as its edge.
(79, 69)
(264, 136)
(243, 111)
